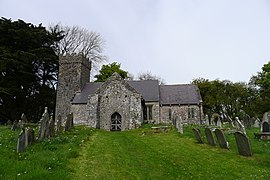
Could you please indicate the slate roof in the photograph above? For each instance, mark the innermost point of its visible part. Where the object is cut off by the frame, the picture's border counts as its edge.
(149, 89)
(179, 94)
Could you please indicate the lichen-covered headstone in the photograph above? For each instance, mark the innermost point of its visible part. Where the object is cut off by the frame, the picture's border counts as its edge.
(206, 120)
(69, 122)
(219, 123)
(221, 138)
(51, 127)
(58, 128)
(243, 144)
(209, 136)
(9, 123)
(197, 134)
(179, 124)
(21, 141)
(257, 123)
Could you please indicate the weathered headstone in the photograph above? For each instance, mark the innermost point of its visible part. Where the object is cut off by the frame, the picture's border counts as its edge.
(209, 136)
(58, 128)
(69, 122)
(30, 137)
(9, 123)
(23, 118)
(43, 127)
(257, 123)
(243, 144)
(265, 117)
(239, 126)
(219, 122)
(51, 127)
(206, 120)
(222, 141)
(14, 125)
(21, 142)
(197, 134)
(265, 127)
(179, 124)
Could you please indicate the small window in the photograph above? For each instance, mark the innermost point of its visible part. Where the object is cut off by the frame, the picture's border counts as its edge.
(191, 113)
(148, 112)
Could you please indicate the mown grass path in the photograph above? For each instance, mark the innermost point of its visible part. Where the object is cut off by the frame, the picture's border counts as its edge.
(140, 154)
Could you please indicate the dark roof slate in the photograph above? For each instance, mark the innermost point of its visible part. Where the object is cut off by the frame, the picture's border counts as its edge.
(149, 89)
(179, 94)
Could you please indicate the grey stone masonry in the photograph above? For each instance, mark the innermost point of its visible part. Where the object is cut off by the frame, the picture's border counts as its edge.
(74, 73)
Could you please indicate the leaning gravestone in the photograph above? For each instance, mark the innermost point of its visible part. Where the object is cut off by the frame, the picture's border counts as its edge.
(243, 144)
(197, 134)
(43, 127)
(21, 142)
(222, 141)
(265, 127)
(209, 136)
(239, 126)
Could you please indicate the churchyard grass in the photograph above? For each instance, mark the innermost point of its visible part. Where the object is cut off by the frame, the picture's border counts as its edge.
(44, 160)
(85, 153)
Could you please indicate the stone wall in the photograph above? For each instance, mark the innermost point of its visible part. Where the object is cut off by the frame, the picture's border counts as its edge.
(80, 114)
(115, 95)
(74, 72)
(181, 111)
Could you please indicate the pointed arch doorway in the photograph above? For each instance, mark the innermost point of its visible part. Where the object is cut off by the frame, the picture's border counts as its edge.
(116, 121)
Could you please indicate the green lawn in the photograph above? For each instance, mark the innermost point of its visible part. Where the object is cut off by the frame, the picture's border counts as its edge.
(85, 153)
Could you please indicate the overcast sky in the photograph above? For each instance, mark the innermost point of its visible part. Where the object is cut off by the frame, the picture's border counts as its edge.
(178, 40)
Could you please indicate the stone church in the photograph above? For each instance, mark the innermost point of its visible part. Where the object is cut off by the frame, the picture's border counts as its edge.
(118, 104)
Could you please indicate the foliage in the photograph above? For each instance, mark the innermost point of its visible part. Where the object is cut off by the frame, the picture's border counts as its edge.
(28, 69)
(149, 76)
(107, 70)
(261, 81)
(227, 98)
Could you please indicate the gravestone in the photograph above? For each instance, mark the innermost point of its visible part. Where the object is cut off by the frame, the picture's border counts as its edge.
(14, 125)
(69, 122)
(197, 134)
(206, 120)
(9, 123)
(23, 118)
(179, 124)
(58, 124)
(265, 117)
(209, 136)
(43, 127)
(243, 144)
(219, 123)
(21, 142)
(265, 127)
(30, 136)
(221, 138)
(239, 126)
(51, 126)
(257, 123)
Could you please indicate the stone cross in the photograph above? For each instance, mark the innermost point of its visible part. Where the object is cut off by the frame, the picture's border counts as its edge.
(209, 136)
(222, 141)
(197, 134)
(243, 144)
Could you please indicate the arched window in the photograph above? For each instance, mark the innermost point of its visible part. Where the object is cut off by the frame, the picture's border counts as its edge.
(116, 122)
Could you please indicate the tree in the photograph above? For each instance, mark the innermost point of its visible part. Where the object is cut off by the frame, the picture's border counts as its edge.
(107, 70)
(80, 41)
(28, 69)
(149, 76)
